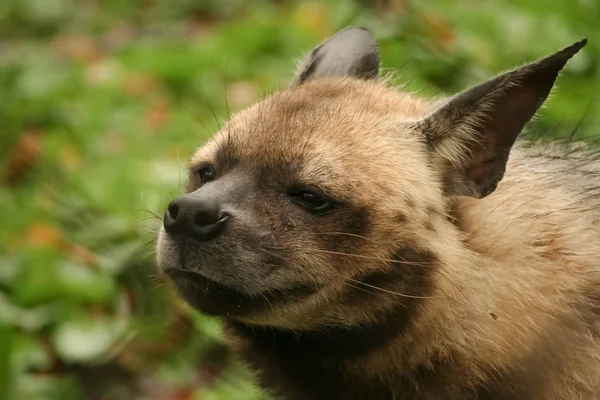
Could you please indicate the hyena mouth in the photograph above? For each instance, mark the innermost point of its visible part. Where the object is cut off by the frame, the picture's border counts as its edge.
(213, 298)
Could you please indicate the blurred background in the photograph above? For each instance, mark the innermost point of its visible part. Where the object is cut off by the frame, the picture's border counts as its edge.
(102, 103)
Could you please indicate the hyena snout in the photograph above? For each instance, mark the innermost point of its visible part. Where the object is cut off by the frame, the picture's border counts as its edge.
(195, 217)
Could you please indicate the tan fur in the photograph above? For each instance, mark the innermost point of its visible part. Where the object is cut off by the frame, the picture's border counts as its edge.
(355, 154)
(513, 279)
(519, 269)
(522, 273)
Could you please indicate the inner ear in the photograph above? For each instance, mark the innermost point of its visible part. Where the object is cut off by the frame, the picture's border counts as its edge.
(474, 131)
(352, 52)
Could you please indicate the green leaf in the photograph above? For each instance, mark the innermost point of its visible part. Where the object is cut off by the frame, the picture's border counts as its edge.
(28, 319)
(6, 378)
(84, 284)
(29, 353)
(86, 340)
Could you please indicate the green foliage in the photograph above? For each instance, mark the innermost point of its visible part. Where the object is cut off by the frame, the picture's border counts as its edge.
(102, 104)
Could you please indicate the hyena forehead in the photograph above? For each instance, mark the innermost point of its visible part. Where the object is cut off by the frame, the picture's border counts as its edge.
(346, 110)
(337, 129)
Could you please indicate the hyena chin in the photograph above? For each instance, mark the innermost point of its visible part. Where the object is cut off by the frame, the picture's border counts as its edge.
(359, 242)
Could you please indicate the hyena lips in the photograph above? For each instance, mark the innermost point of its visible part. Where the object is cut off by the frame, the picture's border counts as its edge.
(361, 242)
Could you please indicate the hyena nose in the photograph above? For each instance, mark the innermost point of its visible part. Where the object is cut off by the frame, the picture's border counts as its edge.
(193, 217)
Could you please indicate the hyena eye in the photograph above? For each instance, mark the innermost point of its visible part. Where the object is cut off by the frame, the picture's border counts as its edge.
(205, 173)
(312, 199)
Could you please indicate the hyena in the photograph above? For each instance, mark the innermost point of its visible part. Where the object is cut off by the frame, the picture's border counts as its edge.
(360, 242)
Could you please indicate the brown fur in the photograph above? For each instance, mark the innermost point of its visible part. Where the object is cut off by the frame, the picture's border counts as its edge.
(419, 293)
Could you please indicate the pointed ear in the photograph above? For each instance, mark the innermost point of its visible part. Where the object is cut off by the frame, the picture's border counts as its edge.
(351, 52)
(472, 133)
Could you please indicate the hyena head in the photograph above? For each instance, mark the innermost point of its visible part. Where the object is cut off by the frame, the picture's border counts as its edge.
(311, 207)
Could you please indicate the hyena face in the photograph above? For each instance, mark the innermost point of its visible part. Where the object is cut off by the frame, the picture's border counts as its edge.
(287, 198)
(309, 199)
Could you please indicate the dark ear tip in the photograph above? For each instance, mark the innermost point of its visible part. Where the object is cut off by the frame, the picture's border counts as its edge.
(558, 60)
(579, 45)
(356, 30)
(364, 28)
(574, 48)
(355, 27)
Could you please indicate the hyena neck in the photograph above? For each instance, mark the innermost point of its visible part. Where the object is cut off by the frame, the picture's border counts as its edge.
(309, 365)
(313, 366)
(317, 364)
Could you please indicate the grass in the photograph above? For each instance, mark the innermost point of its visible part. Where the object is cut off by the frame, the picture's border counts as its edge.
(101, 105)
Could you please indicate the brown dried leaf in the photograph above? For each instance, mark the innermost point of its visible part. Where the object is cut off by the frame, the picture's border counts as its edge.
(198, 25)
(137, 84)
(80, 48)
(442, 30)
(104, 72)
(157, 116)
(390, 5)
(97, 311)
(42, 234)
(23, 156)
(116, 143)
(183, 394)
(70, 156)
(120, 34)
(312, 16)
(81, 254)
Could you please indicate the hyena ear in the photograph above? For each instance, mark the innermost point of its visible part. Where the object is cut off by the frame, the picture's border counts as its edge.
(472, 133)
(351, 52)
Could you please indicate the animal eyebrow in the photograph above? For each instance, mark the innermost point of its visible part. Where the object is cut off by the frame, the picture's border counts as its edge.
(222, 156)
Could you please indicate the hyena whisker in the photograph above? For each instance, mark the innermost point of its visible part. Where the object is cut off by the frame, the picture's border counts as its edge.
(157, 279)
(163, 184)
(392, 261)
(142, 223)
(269, 301)
(149, 233)
(349, 234)
(140, 247)
(200, 121)
(210, 107)
(152, 217)
(153, 232)
(149, 229)
(146, 208)
(179, 173)
(399, 261)
(338, 211)
(145, 253)
(263, 250)
(391, 292)
(225, 80)
(360, 288)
